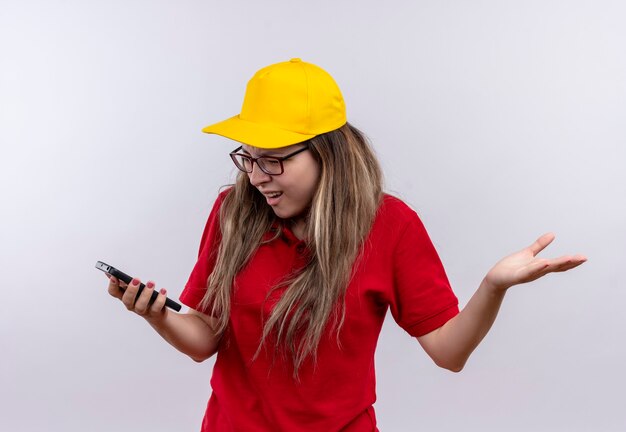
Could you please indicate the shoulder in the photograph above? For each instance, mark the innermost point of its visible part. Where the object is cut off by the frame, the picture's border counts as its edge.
(219, 200)
(396, 222)
(224, 192)
(212, 225)
(394, 209)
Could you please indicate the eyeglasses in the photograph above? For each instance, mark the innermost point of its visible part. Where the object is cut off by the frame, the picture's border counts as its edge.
(269, 164)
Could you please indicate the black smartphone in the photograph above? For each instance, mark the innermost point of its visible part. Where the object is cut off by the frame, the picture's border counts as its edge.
(124, 277)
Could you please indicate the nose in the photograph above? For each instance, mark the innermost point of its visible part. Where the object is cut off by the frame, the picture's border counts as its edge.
(257, 176)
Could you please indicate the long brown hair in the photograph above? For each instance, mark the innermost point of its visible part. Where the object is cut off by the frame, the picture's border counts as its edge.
(340, 217)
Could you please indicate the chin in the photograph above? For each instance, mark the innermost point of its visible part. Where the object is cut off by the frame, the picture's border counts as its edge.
(286, 213)
(283, 214)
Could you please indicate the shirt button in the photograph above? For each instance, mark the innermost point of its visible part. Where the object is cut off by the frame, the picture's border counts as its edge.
(300, 248)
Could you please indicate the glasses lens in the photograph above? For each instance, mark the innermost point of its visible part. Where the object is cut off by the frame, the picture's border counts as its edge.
(243, 163)
(270, 165)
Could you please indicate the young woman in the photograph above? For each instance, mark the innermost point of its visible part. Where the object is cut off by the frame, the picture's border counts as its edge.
(301, 259)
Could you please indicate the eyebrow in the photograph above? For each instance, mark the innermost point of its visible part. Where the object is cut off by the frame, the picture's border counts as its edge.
(270, 154)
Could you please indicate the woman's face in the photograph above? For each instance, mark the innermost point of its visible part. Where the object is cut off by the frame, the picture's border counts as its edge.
(290, 193)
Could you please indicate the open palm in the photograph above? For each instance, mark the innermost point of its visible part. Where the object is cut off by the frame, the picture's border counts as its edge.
(524, 266)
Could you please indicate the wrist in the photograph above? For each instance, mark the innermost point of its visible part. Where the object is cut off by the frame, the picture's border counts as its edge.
(158, 319)
(492, 287)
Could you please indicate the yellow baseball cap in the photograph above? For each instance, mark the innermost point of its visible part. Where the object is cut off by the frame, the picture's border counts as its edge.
(285, 103)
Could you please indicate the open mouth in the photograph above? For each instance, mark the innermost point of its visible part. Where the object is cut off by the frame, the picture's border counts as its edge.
(272, 197)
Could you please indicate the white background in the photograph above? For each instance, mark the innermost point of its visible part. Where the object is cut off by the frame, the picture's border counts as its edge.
(497, 120)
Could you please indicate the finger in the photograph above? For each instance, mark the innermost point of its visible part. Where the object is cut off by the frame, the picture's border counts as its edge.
(142, 303)
(541, 267)
(119, 282)
(159, 304)
(541, 243)
(130, 293)
(535, 270)
(567, 263)
(114, 288)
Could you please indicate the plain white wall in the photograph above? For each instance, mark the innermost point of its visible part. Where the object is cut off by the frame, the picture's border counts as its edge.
(496, 120)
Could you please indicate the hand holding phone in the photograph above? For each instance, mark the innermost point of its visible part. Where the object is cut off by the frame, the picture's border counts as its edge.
(127, 279)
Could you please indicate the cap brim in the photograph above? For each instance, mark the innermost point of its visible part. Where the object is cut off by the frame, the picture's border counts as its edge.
(255, 134)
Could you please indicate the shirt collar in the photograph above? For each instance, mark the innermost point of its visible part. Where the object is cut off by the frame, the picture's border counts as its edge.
(286, 234)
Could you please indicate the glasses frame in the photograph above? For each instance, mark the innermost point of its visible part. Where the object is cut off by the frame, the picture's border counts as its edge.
(253, 160)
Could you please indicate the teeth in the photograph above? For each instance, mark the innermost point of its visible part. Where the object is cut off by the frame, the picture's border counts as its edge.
(273, 194)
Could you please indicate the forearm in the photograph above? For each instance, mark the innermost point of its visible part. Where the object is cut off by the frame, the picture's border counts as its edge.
(456, 340)
(187, 333)
(451, 345)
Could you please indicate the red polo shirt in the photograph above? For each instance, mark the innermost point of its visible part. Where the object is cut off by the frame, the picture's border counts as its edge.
(399, 270)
